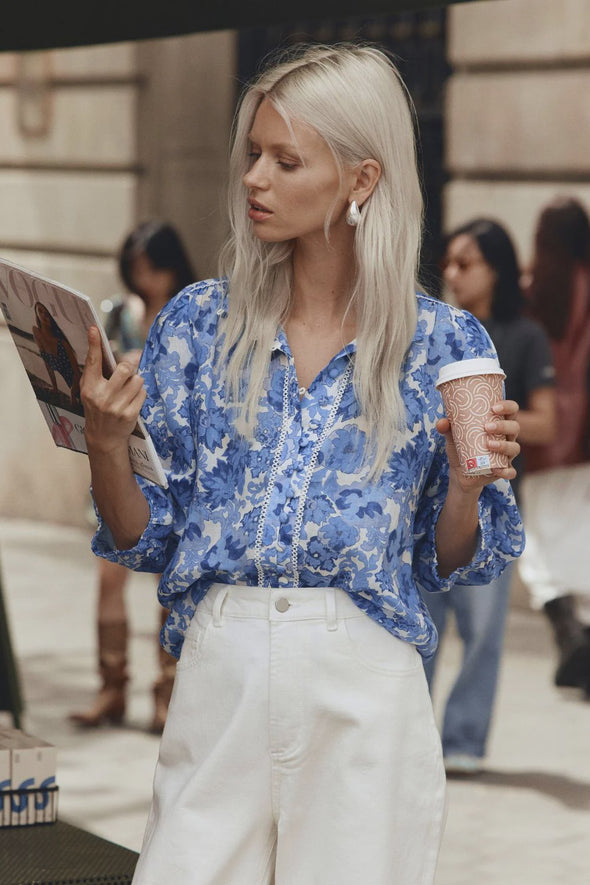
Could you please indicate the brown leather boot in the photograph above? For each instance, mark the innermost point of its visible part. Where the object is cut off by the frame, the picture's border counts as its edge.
(109, 704)
(162, 689)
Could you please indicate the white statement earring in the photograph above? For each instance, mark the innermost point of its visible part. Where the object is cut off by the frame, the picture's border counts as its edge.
(353, 216)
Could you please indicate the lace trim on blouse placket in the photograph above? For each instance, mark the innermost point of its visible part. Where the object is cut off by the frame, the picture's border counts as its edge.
(298, 524)
(309, 472)
(272, 480)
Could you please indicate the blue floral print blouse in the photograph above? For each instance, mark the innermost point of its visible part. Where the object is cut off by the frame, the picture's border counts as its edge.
(292, 505)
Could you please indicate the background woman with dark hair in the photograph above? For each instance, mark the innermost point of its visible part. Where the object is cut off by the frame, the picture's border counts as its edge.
(554, 570)
(153, 260)
(154, 266)
(481, 270)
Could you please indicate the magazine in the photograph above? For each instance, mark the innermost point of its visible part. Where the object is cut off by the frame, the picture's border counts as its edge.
(49, 325)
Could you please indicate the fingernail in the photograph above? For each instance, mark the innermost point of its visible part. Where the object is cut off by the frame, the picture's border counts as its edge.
(497, 408)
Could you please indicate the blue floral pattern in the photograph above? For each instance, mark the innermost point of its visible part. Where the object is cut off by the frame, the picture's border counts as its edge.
(222, 513)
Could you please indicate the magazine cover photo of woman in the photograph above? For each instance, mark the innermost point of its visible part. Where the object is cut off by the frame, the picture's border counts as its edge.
(58, 355)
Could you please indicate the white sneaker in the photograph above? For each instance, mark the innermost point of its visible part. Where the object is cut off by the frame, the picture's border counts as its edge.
(462, 763)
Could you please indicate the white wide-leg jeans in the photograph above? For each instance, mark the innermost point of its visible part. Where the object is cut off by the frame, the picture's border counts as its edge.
(300, 749)
(556, 509)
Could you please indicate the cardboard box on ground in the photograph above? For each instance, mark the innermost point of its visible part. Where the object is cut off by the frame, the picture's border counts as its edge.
(28, 791)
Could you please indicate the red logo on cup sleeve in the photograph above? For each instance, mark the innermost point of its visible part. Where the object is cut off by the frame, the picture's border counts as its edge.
(471, 463)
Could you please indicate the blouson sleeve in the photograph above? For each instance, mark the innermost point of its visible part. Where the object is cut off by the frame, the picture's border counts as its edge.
(168, 366)
(458, 335)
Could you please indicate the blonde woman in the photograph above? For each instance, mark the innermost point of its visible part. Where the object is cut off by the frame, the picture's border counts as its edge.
(313, 490)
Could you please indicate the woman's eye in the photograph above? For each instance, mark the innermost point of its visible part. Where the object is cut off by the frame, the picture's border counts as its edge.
(253, 156)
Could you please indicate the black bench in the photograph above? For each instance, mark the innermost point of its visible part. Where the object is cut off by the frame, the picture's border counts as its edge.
(61, 854)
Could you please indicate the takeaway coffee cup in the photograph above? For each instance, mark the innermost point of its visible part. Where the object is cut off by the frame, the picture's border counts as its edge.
(469, 388)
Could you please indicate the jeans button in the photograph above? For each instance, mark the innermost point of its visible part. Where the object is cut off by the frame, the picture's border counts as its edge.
(282, 605)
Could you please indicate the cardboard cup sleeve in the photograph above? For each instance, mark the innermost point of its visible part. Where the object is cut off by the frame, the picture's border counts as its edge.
(469, 388)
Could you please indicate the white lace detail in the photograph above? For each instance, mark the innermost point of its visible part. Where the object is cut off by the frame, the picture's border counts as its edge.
(309, 472)
(271, 480)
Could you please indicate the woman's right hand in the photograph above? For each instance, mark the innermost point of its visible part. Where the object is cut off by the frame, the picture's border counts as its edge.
(111, 406)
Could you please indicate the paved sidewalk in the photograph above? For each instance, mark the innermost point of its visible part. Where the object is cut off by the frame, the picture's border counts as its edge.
(525, 821)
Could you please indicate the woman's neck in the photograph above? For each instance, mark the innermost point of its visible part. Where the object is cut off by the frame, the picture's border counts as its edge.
(483, 314)
(151, 311)
(482, 309)
(322, 286)
(321, 320)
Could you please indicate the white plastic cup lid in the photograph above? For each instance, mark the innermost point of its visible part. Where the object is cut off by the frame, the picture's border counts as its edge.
(465, 368)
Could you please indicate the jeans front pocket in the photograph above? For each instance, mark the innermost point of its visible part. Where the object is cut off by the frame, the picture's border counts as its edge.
(377, 649)
(194, 638)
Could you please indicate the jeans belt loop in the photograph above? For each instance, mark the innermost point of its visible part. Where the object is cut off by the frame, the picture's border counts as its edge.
(331, 617)
(220, 598)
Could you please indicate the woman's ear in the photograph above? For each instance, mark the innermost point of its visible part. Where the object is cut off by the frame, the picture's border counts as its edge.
(366, 175)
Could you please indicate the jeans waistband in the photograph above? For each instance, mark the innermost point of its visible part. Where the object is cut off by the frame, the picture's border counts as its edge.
(328, 604)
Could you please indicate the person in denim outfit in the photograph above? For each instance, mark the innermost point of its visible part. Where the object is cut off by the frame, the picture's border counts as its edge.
(481, 271)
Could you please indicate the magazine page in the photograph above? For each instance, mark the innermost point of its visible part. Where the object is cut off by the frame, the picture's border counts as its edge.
(49, 325)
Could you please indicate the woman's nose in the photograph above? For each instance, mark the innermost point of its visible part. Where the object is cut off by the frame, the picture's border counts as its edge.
(256, 176)
(450, 271)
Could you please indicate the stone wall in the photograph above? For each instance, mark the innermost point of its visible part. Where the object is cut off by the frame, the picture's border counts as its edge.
(517, 110)
(185, 115)
(94, 140)
(68, 183)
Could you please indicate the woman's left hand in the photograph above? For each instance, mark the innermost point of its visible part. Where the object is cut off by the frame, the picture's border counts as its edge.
(507, 424)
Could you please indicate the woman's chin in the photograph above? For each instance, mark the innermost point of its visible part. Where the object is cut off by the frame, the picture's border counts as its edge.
(267, 236)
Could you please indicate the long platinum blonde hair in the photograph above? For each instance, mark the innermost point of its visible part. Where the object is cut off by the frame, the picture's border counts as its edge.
(353, 96)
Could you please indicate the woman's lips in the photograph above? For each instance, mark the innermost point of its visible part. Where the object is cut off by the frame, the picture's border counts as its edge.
(258, 212)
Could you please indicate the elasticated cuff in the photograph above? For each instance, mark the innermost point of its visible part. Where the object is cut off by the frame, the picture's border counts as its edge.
(151, 546)
(475, 571)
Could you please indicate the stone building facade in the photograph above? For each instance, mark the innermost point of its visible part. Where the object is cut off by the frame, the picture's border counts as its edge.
(95, 139)
(517, 110)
